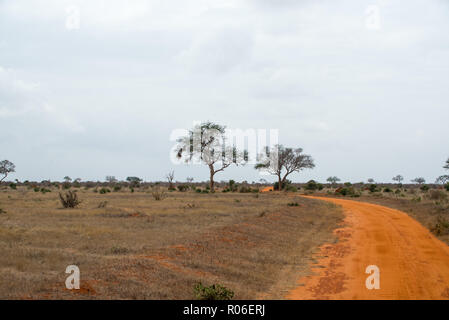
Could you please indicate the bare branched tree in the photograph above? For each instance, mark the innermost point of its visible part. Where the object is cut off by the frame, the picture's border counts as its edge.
(206, 144)
(170, 177)
(6, 167)
(281, 161)
(442, 179)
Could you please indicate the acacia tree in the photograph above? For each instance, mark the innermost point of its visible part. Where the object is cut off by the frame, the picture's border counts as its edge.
(419, 180)
(6, 167)
(333, 180)
(447, 164)
(398, 178)
(206, 144)
(442, 179)
(281, 162)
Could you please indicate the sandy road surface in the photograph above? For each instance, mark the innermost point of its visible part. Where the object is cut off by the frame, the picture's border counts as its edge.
(413, 263)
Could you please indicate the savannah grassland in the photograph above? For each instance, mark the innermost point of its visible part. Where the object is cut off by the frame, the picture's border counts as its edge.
(135, 247)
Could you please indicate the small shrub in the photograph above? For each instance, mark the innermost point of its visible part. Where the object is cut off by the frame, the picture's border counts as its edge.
(387, 190)
(346, 191)
(117, 188)
(44, 191)
(102, 204)
(205, 191)
(232, 187)
(425, 188)
(372, 188)
(214, 292)
(441, 227)
(198, 190)
(311, 185)
(446, 186)
(66, 185)
(292, 189)
(183, 188)
(13, 186)
(119, 250)
(437, 195)
(104, 190)
(69, 199)
(37, 189)
(132, 189)
(2, 211)
(158, 193)
(244, 189)
(293, 204)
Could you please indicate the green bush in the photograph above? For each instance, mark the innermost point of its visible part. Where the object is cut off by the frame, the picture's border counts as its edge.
(293, 204)
(311, 185)
(37, 189)
(447, 186)
(425, 188)
(232, 187)
(285, 185)
(104, 190)
(198, 190)
(213, 292)
(44, 191)
(372, 188)
(117, 188)
(13, 186)
(387, 190)
(183, 187)
(346, 191)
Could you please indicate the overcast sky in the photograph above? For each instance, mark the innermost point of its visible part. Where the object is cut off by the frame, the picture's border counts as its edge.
(362, 86)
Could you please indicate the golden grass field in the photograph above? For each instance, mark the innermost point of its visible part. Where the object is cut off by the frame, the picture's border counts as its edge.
(139, 248)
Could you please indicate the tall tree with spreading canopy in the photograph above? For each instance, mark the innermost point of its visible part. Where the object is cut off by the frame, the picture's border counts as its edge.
(206, 144)
(6, 167)
(333, 180)
(281, 162)
(398, 178)
(419, 180)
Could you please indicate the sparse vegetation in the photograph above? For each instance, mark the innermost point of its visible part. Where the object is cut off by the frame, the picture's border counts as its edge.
(69, 199)
(158, 193)
(213, 292)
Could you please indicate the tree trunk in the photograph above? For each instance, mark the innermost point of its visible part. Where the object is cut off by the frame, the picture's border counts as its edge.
(279, 183)
(211, 182)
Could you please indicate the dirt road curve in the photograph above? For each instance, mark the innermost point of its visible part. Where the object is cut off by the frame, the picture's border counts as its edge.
(413, 263)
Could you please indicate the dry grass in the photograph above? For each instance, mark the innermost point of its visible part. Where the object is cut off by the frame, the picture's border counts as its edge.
(130, 246)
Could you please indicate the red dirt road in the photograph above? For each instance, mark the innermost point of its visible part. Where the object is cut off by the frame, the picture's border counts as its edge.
(413, 263)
